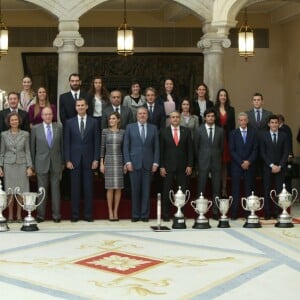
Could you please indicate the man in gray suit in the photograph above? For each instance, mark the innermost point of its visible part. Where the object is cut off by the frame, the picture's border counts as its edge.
(208, 141)
(46, 146)
(125, 112)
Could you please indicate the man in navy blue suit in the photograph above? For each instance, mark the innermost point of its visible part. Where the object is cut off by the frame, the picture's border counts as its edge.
(274, 150)
(141, 157)
(243, 147)
(82, 151)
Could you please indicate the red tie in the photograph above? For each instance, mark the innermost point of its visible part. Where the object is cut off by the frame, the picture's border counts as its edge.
(175, 137)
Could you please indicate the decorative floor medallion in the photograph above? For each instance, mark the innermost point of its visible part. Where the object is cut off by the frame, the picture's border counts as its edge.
(121, 263)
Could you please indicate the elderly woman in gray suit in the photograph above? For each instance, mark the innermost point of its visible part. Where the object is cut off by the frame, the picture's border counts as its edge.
(15, 160)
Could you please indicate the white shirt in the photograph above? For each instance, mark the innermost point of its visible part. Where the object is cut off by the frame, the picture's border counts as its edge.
(208, 130)
(140, 128)
(79, 121)
(46, 128)
(75, 92)
(178, 131)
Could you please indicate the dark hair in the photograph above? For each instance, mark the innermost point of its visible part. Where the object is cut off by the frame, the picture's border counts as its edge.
(11, 114)
(104, 92)
(180, 106)
(37, 104)
(82, 99)
(118, 116)
(75, 75)
(280, 117)
(207, 91)
(13, 93)
(259, 95)
(210, 110)
(273, 117)
(218, 103)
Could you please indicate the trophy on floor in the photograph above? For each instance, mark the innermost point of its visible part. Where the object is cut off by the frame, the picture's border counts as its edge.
(284, 201)
(179, 200)
(223, 206)
(3, 205)
(252, 204)
(29, 204)
(201, 207)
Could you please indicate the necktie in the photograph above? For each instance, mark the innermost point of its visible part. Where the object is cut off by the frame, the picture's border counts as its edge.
(81, 127)
(151, 111)
(274, 139)
(175, 136)
(117, 109)
(49, 135)
(75, 96)
(257, 116)
(143, 134)
(210, 136)
(244, 136)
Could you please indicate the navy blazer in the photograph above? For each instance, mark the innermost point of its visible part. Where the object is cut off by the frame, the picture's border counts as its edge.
(141, 155)
(196, 109)
(85, 149)
(263, 125)
(158, 117)
(126, 116)
(67, 108)
(274, 154)
(241, 151)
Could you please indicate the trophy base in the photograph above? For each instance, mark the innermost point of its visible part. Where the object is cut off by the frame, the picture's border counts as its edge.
(223, 224)
(178, 223)
(284, 225)
(29, 227)
(3, 227)
(201, 225)
(252, 225)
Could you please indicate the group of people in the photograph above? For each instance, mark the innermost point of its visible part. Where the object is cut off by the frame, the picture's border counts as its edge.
(140, 136)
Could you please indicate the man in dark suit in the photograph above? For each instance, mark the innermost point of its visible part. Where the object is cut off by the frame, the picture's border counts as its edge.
(274, 150)
(46, 146)
(81, 153)
(141, 157)
(67, 100)
(258, 117)
(13, 102)
(176, 159)
(156, 113)
(125, 112)
(243, 147)
(209, 143)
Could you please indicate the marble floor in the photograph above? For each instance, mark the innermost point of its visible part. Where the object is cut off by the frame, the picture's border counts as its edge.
(124, 260)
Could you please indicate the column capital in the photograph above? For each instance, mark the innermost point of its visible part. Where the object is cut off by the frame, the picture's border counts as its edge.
(213, 44)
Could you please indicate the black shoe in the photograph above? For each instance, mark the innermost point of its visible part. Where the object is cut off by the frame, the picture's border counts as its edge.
(215, 217)
(73, 220)
(135, 219)
(145, 219)
(56, 220)
(166, 219)
(88, 219)
(233, 218)
(39, 219)
(267, 217)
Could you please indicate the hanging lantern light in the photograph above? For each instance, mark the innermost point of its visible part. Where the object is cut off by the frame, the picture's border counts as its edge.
(3, 35)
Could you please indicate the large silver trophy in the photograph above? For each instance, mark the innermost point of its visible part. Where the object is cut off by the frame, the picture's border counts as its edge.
(201, 207)
(252, 204)
(223, 205)
(29, 204)
(179, 200)
(284, 200)
(3, 205)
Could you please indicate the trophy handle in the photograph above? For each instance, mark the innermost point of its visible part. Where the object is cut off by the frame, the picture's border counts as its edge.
(187, 196)
(42, 193)
(17, 193)
(273, 193)
(243, 200)
(230, 200)
(262, 202)
(209, 204)
(171, 196)
(10, 192)
(217, 202)
(294, 192)
(193, 205)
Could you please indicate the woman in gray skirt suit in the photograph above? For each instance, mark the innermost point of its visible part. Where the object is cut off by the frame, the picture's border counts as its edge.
(15, 160)
(111, 163)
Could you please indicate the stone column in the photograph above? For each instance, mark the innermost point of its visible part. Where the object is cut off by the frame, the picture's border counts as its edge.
(212, 45)
(67, 41)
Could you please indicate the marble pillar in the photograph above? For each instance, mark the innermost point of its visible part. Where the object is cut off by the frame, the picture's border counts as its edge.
(68, 41)
(213, 76)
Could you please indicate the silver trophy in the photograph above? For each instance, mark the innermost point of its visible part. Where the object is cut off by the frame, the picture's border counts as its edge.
(179, 200)
(29, 204)
(3, 205)
(284, 200)
(201, 207)
(223, 206)
(252, 204)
